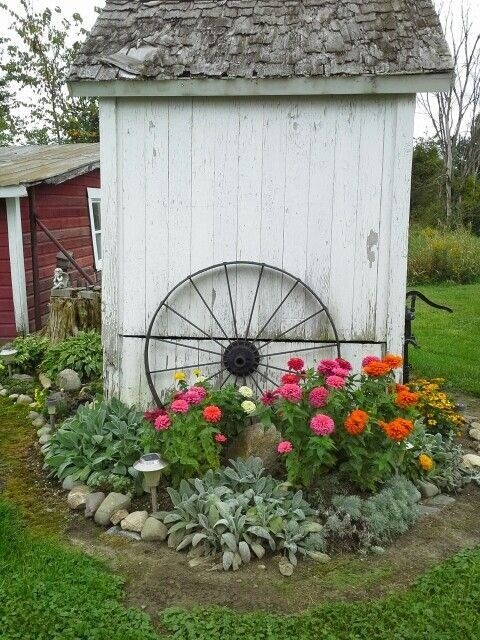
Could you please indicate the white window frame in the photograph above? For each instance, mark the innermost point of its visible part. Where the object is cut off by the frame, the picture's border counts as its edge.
(95, 195)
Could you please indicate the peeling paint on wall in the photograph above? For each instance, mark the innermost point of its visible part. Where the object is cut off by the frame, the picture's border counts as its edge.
(372, 242)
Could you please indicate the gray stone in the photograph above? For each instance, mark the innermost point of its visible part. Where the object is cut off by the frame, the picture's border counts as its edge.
(134, 521)
(440, 501)
(425, 510)
(43, 430)
(3, 393)
(475, 424)
(471, 461)
(428, 489)
(377, 550)
(475, 433)
(69, 483)
(286, 568)
(39, 422)
(116, 531)
(25, 377)
(13, 396)
(257, 441)
(118, 516)
(44, 381)
(113, 502)
(44, 439)
(195, 562)
(319, 557)
(24, 399)
(94, 500)
(69, 380)
(78, 496)
(417, 496)
(33, 415)
(154, 530)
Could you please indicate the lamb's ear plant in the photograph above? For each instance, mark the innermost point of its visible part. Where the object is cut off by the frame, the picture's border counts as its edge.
(240, 513)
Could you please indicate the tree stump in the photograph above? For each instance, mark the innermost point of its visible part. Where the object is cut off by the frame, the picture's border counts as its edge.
(69, 315)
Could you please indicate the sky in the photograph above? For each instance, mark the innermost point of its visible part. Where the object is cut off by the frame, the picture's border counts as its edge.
(86, 8)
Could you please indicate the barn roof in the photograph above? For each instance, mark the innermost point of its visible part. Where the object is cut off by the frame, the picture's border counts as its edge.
(46, 163)
(178, 39)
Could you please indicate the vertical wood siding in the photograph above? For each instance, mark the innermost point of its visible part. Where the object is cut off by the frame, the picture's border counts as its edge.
(317, 186)
(7, 316)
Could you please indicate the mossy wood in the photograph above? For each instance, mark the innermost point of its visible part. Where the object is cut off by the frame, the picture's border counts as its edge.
(68, 316)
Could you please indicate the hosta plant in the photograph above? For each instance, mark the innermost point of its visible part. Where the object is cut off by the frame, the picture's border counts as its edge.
(82, 353)
(100, 440)
(240, 513)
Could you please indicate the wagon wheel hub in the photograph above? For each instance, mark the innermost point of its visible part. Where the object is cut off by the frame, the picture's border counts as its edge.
(241, 358)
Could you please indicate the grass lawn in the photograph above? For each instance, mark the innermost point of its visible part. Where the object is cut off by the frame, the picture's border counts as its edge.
(50, 592)
(450, 342)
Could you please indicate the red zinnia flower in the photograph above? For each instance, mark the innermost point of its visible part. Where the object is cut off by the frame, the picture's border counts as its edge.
(269, 398)
(289, 378)
(296, 364)
(212, 413)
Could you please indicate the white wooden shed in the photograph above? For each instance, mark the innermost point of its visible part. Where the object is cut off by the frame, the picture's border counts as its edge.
(273, 131)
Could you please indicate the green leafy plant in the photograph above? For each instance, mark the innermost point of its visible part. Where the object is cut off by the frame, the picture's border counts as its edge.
(100, 438)
(82, 353)
(31, 350)
(239, 512)
(353, 522)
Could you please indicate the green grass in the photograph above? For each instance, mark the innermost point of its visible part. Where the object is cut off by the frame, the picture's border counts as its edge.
(50, 592)
(450, 342)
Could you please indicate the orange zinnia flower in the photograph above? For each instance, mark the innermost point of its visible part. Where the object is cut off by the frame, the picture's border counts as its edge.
(425, 462)
(356, 422)
(376, 369)
(405, 399)
(394, 362)
(397, 429)
(212, 413)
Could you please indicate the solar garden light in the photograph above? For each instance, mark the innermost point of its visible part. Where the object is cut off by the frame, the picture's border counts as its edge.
(7, 354)
(52, 409)
(151, 465)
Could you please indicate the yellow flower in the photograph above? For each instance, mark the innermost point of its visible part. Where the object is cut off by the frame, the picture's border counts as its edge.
(179, 375)
(197, 372)
(425, 462)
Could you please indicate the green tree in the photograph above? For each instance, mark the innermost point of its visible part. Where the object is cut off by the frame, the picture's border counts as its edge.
(427, 200)
(6, 124)
(35, 66)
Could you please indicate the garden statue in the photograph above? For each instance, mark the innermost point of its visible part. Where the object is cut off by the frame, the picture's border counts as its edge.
(61, 279)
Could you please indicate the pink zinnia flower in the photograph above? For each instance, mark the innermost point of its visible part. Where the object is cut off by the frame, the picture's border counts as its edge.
(336, 382)
(194, 395)
(289, 378)
(296, 364)
(345, 364)
(322, 425)
(269, 398)
(162, 422)
(291, 392)
(285, 447)
(152, 415)
(179, 406)
(326, 367)
(340, 371)
(220, 438)
(318, 397)
(369, 359)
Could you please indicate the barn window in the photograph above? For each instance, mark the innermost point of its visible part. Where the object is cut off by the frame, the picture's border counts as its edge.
(94, 205)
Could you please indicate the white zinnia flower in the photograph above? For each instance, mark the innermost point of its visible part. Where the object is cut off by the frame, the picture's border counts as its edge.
(248, 406)
(246, 392)
(200, 379)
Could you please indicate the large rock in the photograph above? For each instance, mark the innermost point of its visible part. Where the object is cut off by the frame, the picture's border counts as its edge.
(13, 396)
(33, 415)
(428, 489)
(3, 392)
(471, 461)
(94, 500)
(41, 432)
(255, 440)
(39, 422)
(68, 380)
(23, 376)
(69, 483)
(24, 399)
(474, 433)
(116, 531)
(113, 502)
(44, 381)
(44, 438)
(77, 497)
(134, 521)
(154, 530)
(118, 516)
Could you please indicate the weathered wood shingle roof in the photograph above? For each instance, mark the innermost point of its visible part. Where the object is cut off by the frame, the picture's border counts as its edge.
(168, 39)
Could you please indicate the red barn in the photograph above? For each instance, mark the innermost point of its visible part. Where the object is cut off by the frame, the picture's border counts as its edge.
(49, 204)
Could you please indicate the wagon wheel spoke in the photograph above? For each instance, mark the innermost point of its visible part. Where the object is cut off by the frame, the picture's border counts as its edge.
(271, 366)
(217, 373)
(275, 384)
(257, 385)
(292, 328)
(322, 346)
(188, 366)
(225, 380)
(187, 346)
(208, 307)
(167, 306)
(276, 310)
(254, 301)
(231, 301)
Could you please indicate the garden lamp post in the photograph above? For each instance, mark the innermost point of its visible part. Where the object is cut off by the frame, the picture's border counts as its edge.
(8, 354)
(52, 409)
(151, 465)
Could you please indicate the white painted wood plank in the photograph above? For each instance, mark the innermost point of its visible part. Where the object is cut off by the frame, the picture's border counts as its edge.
(17, 264)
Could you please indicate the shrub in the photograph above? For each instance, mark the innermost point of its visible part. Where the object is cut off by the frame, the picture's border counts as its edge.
(354, 522)
(82, 353)
(240, 513)
(31, 350)
(443, 256)
(102, 438)
(439, 412)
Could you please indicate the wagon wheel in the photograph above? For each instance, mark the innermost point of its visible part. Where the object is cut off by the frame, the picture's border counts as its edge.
(233, 349)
